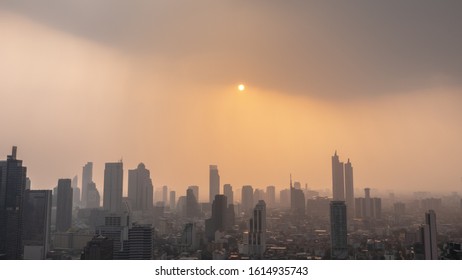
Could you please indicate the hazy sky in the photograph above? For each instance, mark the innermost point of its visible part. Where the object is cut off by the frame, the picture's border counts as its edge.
(156, 82)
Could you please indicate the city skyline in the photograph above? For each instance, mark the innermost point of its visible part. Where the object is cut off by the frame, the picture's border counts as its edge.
(158, 83)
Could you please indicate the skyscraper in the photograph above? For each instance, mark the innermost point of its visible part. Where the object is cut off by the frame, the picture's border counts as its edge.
(75, 191)
(271, 196)
(297, 200)
(192, 207)
(140, 242)
(338, 226)
(172, 200)
(429, 234)
(195, 190)
(37, 222)
(257, 230)
(64, 205)
(93, 196)
(247, 199)
(349, 189)
(214, 183)
(87, 177)
(113, 186)
(140, 189)
(165, 195)
(338, 181)
(228, 192)
(218, 220)
(12, 186)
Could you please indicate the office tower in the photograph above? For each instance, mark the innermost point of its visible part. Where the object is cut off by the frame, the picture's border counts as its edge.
(271, 196)
(218, 220)
(359, 207)
(113, 186)
(297, 186)
(338, 181)
(349, 189)
(181, 206)
(230, 216)
(28, 183)
(228, 192)
(64, 205)
(214, 183)
(165, 195)
(140, 189)
(140, 242)
(247, 199)
(399, 208)
(257, 230)
(284, 198)
(116, 228)
(258, 195)
(190, 240)
(93, 197)
(429, 235)
(367, 213)
(195, 190)
(192, 207)
(376, 208)
(338, 225)
(172, 200)
(75, 191)
(37, 223)
(318, 207)
(297, 200)
(99, 248)
(87, 177)
(12, 186)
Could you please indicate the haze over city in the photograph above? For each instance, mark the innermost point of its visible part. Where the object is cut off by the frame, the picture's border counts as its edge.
(157, 82)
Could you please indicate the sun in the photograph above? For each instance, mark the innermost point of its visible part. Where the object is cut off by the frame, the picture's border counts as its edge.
(241, 87)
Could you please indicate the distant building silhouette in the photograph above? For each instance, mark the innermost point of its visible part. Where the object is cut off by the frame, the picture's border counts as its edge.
(429, 234)
(99, 248)
(93, 196)
(297, 200)
(338, 225)
(195, 190)
(64, 208)
(75, 192)
(12, 187)
(284, 198)
(172, 200)
(318, 207)
(257, 230)
(214, 183)
(368, 207)
(87, 177)
(113, 186)
(228, 192)
(140, 189)
(338, 179)
(247, 199)
(37, 224)
(270, 196)
(349, 189)
(192, 206)
(218, 219)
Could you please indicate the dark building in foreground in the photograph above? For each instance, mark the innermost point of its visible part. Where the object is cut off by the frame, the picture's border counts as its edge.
(218, 220)
(99, 248)
(64, 209)
(12, 187)
(338, 225)
(140, 242)
(37, 224)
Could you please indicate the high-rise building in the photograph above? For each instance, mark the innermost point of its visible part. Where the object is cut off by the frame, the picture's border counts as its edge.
(284, 198)
(247, 199)
(64, 205)
(349, 189)
(338, 226)
(140, 189)
(271, 196)
(99, 248)
(140, 242)
(367, 203)
(257, 230)
(218, 220)
(338, 180)
(214, 182)
(228, 192)
(172, 200)
(192, 207)
(93, 197)
(87, 177)
(195, 190)
(37, 223)
(165, 195)
(12, 187)
(116, 228)
(429, 235)
(297, 200)
(113, 186)
(75, 191)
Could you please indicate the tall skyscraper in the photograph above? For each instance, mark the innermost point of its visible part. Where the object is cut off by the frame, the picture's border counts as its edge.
(165, 195)
(37, 223)
(172, 200)
(64, 205)
(12, 186)
(247, 199)
(93, 196)
(140, 242)
(228, 192)
(192, 207)
(75, 191)
(87, 177)
(338, 226)
(284, 198)
(429, 235)
(214, 183)
(349, 189)
(140, 189)
(257, 230)
(338, 181)
(297, 200)
(113, 186)
(271, 196)
(195, 190)
(218, 220)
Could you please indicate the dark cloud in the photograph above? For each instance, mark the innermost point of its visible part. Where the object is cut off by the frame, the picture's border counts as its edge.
(324, 48)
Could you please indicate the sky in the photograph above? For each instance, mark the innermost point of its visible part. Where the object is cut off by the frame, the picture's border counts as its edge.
(156, 82)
